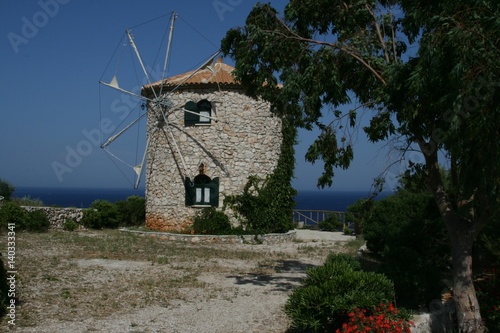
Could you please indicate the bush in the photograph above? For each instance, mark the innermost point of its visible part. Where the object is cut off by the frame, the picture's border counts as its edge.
(331, 223)
(358, 212)
(6, 189)
(344, 259)
(101, 214)
(330, 292)
(12, 213)
(28, 201)
(36, 221)
(91, 219)
(131, 212)
(104, 214)
(407, 232)
(347, 231)
(70, 225)
(211, 222)
(4, 289)
(264, 206)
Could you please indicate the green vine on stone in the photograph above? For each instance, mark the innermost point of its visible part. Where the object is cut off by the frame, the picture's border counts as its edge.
(266, 204)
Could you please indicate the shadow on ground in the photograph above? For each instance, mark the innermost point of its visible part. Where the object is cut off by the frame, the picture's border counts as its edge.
(280, 280)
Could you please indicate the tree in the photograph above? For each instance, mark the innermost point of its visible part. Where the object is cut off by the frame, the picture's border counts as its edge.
(426, 71)
(406, 232)
(6, 189)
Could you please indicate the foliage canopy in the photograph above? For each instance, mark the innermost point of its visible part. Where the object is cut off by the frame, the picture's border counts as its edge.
(428, 73)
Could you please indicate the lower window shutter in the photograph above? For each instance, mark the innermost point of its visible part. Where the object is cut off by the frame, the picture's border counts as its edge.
(201, 194)
(190, 192)
(214, 192)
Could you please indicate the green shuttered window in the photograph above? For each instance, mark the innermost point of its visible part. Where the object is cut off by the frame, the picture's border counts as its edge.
(202, 195)
(197, 113)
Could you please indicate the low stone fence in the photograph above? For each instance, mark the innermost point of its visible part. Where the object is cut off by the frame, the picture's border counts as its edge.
(440, 319)
(224, 239)
(58, 215)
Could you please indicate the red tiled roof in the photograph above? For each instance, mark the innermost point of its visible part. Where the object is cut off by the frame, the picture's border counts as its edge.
(216, 73)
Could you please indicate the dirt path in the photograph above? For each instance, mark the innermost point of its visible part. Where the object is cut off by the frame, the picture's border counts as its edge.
(113, 282)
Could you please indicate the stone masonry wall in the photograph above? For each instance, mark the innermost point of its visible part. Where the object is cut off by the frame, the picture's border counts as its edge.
(57, 216)
(268, 239)
(246, 140)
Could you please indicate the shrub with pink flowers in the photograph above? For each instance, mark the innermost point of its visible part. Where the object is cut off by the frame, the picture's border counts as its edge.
(383, 319)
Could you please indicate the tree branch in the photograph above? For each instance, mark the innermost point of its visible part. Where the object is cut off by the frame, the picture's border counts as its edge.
(379, 33)
(393, 33)
(437, 187)
(332, 45)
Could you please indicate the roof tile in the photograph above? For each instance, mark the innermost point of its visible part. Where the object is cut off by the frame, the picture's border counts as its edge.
(216, 73)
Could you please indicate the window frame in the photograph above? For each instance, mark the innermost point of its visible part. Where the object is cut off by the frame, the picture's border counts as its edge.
(211, 188)
(203, 110)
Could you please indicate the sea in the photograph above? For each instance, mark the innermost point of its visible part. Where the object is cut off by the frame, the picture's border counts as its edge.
(331, 200)
(83, 197)
(75, 197)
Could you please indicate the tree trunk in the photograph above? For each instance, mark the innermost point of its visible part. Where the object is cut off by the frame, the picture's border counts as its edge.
(462, 232)
(464, 293)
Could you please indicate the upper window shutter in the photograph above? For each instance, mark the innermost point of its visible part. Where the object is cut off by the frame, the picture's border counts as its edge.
(205, 109)
(191, 118)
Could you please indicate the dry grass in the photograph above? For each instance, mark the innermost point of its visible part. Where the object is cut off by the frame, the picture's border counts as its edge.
(73, 276)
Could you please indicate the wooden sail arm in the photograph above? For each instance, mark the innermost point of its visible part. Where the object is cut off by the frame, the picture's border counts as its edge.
(114, 137)
(139, 168)
(115, 86)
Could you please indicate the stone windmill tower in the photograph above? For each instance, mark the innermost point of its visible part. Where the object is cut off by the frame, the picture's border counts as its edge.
(205, 138)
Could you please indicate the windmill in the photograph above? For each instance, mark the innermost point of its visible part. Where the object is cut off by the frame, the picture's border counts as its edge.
(159, 103)
(204, 137)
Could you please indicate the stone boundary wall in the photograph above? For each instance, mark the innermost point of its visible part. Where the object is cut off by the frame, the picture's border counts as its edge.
(441, 319)
(58, 215)
(268, 239)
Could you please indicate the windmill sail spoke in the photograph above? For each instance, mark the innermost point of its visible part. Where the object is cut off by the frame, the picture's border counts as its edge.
(114, 137)
(158, 103)
(196, 113)
(136, 50)
(116, 157)
(176, 146)
(138, 168)
(167, 53)
(114, 85)
(204, 65)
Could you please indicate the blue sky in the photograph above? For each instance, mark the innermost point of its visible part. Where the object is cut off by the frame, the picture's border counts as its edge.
(54, 52)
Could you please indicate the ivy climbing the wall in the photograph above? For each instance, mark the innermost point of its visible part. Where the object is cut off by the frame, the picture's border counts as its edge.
(266, 205)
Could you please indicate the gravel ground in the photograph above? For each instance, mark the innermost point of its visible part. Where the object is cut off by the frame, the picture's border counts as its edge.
(118, 293)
